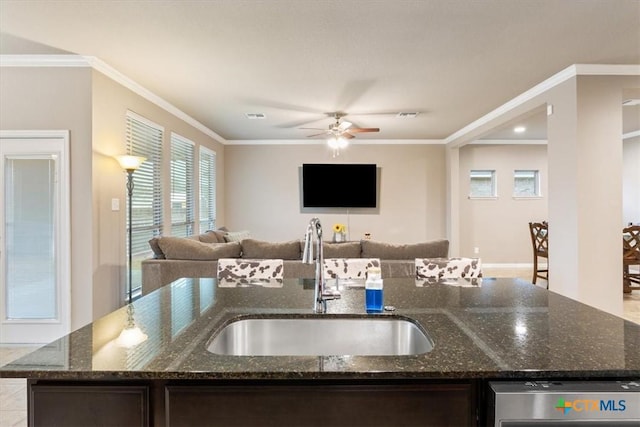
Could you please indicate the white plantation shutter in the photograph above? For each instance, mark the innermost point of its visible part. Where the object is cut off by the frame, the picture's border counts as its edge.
(144, 138)
(207, 190)
(182, 191)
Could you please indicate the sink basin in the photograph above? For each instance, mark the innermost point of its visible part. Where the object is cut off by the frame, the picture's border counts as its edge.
(321, 336)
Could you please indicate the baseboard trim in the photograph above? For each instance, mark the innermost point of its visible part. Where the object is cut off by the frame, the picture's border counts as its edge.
(508, 265)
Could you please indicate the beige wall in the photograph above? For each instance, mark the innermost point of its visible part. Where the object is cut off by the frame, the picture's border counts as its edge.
(60, 99)
(263, 192)
(258, 186)
(498, 227)
(110, 104)
(92, 107)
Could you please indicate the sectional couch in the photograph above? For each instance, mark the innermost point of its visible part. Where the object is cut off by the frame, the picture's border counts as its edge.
(196, 256)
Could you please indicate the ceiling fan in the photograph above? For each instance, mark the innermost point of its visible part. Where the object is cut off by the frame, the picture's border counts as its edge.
(341, 129)
(340, 132)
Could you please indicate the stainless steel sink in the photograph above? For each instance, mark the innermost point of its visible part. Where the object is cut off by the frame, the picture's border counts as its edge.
(321, 336)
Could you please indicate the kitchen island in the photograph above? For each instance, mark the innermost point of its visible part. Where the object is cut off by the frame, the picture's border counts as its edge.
(499, 329)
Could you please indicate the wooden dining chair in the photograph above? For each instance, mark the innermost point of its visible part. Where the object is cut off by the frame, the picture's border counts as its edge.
(631, 258)
(540, 242)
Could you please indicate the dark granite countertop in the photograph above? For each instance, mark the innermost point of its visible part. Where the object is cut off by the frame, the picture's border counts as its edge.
(505, 328)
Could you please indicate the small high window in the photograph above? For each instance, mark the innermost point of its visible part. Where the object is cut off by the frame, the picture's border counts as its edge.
(526, 183)
(482, 184)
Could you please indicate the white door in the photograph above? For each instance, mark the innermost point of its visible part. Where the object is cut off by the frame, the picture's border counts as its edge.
(34, 236)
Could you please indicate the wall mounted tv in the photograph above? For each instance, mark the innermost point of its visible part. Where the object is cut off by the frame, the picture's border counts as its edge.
(336, 185)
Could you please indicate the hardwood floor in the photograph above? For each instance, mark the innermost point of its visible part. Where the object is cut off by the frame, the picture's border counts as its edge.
(13, 392)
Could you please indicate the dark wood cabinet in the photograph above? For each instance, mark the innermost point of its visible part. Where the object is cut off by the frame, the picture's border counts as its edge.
(244, 403)
(320, 405)
(71, 405)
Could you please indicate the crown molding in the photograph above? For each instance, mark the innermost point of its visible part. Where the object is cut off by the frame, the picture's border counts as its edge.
(112, 73)
(104, 68)
(323, 142)
(607, 69)
(553, 81)
(44, 61)
(509, 142)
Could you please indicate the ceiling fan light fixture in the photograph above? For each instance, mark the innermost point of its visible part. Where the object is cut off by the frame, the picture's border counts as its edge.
(336, 143)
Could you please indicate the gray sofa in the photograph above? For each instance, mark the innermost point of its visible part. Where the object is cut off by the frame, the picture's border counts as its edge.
(196, 256)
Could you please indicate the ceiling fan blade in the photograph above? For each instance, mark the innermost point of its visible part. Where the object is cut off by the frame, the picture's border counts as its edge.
(361, 130)
(347, 135)
(344, 125)
(317, 134)
(315, 129)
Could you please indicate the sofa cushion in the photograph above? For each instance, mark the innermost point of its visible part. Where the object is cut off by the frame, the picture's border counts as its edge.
(258, 249)
(349, 268)
(212, 236)
(431, 249)
(157, 252)
(236, 236)
(258, 269)
(341, 250)
(448, 268)
(181, 248)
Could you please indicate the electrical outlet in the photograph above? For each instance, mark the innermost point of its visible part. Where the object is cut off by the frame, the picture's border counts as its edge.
(476, 250)
(115, 205)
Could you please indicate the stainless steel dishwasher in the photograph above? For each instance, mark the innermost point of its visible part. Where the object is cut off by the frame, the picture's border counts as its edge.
(563, 403)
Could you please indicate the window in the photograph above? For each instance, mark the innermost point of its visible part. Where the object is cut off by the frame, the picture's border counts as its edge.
(144, 138)
(182, 192)
(526, 183)
(207, 190)
(482, 183)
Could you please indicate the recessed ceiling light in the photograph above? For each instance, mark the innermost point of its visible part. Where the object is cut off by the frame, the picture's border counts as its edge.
(255, 116)
(409, 115)
(519, 129)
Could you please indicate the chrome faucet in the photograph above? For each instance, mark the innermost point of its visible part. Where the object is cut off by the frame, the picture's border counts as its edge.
(320, 295)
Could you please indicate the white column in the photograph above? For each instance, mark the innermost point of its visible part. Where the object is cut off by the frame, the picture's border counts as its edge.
(585, 191)
(452, 158)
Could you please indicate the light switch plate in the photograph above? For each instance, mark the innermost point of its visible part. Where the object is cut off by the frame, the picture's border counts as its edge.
(115, 204)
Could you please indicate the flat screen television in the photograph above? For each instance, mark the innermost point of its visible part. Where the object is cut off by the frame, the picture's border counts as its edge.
(333, 185)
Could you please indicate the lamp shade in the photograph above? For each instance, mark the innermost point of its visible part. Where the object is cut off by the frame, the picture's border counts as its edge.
(130, 162)
(130, 337)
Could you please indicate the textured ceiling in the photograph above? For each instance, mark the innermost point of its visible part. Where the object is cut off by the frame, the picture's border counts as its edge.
(295, 60)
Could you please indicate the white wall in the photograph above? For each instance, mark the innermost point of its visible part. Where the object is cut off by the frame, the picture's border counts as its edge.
(60, 99)
(499, 227)
(263, 192)
(585, 183)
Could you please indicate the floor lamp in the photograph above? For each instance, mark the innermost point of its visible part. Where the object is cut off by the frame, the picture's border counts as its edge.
(130, 164)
